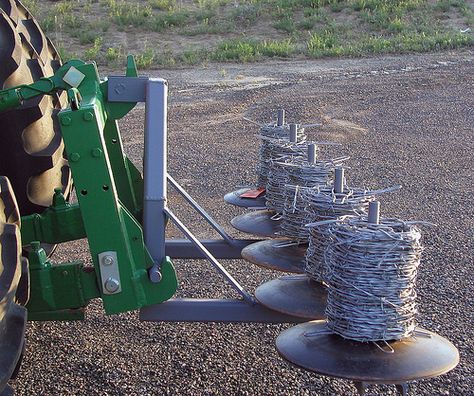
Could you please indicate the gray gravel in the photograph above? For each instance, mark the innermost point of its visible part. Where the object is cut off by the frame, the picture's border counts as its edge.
(404, 120)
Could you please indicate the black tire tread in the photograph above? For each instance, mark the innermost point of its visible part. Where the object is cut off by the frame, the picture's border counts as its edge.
(10, 246)
(33, 158)
(12, 265)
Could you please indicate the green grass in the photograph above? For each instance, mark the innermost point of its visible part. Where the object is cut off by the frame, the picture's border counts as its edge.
(250, 50)
(286, 24)
(127, 13)
(327, 45)
(93, 52)
(161, 22)
(250, 30)
(245, 14)
(113, 56)
(144, 60)
(166, 5)
(66, 54)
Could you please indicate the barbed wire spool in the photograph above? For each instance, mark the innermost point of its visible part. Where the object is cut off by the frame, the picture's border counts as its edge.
(371, 275)
(310, 173)
(323, 204)
(277, 179)
(294, 215)
(278, 176)
(275, 142)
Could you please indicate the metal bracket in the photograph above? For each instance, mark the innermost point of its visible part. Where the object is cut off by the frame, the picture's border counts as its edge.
(109, 272)
(127, 89)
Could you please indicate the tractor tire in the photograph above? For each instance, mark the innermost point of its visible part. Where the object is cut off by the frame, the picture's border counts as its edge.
(12, 279)
(31, 147)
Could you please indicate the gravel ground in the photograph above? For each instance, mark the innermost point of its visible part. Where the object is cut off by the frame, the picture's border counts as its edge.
(404, 120)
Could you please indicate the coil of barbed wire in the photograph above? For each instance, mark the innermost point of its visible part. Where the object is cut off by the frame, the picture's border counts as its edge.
(294, 215)
(272, 148)
(277, 179)
(303, 174)
(371, 274)
(271, 170)
(324, 204)
(281, 132)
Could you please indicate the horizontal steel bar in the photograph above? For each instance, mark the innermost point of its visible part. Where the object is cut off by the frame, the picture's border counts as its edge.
(213, 310)
(220, 249)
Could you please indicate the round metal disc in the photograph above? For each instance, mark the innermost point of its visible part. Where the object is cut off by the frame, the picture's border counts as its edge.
(295, 295)
(424, 356)
(234, 198)
(257, 222)
(269, 254)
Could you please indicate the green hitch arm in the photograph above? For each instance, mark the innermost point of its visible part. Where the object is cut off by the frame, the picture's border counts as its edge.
(10, 99)
(60, 291)
(61, 222)
(68, 76)
(14, 97)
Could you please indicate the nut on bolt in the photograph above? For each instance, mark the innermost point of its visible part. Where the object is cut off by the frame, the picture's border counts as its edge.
(112, 285)
(108, 260)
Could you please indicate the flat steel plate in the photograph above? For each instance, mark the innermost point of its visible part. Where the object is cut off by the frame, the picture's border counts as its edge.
(295, 295)
(309, 346)
(257, 222)
(234, 198)
(270, 254)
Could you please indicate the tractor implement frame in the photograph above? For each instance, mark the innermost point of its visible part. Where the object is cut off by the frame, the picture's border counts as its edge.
(123, 215)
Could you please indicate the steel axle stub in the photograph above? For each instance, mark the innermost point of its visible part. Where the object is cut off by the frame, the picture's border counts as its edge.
(277, 254)
(296, 295)
(311, 346)
(258, 222)
(234, 198)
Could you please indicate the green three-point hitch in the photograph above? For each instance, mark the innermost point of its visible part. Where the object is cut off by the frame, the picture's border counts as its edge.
(109, 209)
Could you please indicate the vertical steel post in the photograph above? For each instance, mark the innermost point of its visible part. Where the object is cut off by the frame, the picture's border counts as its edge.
(154, 170)
(312, 153)
(293, 133)
(339, 180)
(281, 117)
(374, 212)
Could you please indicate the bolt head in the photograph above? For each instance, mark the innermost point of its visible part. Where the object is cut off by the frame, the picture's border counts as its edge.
(35, 245)
(66, 121)
(107, 260)
(112, 285)
(154, 275)
(96, 152)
